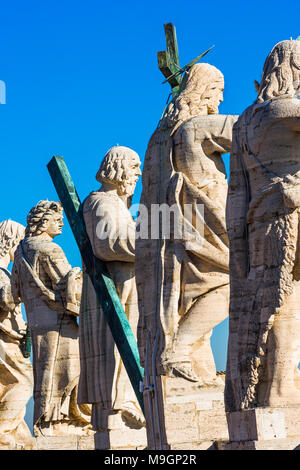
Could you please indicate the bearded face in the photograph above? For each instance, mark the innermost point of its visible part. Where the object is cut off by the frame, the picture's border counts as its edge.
(215, 96)
(131, 173)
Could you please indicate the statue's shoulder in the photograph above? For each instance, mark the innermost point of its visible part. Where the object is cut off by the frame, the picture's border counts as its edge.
(99, 198)
(284, 107)
(44, 248)
(276, 109)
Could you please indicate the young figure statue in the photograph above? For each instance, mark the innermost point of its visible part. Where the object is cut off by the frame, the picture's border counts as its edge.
(50, 289)
(16, 377)
(182, 279)
(263, 227)
(111, 229)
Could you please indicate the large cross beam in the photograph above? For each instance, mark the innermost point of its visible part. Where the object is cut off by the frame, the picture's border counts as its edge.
(103, 284)
(168, 61)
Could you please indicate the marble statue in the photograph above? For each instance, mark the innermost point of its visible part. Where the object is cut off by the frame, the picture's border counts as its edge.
(50, 288)
(263, 226)
(16, 377)
(111, 229)
(183, 281)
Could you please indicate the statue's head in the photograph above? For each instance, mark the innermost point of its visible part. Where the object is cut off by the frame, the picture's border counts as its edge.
(11, 233)
(281, 73)
(45, 217)
(120, 167)
(201, 93)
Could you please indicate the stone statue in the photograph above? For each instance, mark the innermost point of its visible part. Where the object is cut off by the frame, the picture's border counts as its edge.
(50, 289)
(16, 378)
(263, 227)
(183, 279)
(111, 229)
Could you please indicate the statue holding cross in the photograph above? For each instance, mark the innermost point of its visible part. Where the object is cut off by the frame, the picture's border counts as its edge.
(183, 280)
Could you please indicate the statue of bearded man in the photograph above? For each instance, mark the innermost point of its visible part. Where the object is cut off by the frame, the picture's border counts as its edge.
(16, 377)
(263, 226)
(183, 277)
(50, 289)
(111, 229)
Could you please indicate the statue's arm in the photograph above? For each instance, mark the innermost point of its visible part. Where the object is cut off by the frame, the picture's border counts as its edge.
(221, 134)
(55, 263)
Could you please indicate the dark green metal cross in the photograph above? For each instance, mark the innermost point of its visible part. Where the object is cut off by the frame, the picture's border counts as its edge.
(103, 284)
(168, 61)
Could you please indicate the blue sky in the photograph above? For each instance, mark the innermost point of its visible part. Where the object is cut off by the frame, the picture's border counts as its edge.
(82, 76)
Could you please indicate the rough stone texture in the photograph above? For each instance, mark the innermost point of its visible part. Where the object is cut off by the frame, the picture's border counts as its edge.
(193, 415)
(16, 377)
(182, 278)
(65, 443)
(50, 289)
(111, 229)
(263, 429)
(278, 444)
(263, 220)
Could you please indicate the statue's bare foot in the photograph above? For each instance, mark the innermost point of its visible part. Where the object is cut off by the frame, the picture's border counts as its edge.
(184, 369)
(133, 415)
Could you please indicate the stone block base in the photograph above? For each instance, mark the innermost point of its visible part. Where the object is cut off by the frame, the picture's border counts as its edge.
(120, 436)
(273, 444)
(264, 424)
(65, 443)
(265, 428)
(193, 415)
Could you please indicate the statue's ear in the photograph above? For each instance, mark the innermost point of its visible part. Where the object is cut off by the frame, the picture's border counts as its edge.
(257, 85)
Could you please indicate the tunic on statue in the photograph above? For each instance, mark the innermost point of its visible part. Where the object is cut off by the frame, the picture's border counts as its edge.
(16, 378)
(103, 378)
(183, 168)
(41, 278)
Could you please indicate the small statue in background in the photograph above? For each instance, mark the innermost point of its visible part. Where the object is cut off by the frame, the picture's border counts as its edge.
(50, 289)
(111, 229)
(263, 226)
(16, 377)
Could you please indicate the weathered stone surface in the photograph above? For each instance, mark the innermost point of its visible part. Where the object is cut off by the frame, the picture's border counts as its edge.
(16, 378)
(262, 220)
(182, 275)
(103, 379)
(65, 443)
(50, 289)
(275, 444)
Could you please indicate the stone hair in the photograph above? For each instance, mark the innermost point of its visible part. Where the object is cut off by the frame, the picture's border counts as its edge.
(114, 165)
(281, 72)
(11, 233)
(39, 215)
(195, 95)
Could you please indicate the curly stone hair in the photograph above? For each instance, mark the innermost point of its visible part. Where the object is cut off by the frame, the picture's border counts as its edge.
(39, 215)
(281, 72)
(114, 168)
(11, 233)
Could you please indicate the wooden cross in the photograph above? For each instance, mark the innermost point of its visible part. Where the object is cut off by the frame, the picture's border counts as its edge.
(168, 61)
(103, 284)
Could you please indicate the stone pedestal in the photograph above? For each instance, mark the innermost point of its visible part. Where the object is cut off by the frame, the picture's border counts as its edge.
(65, 443)
(193, 417)
(120, 436)
(263, 428)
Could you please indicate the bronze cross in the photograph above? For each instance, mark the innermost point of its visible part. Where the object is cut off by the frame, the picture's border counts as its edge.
(168, 61)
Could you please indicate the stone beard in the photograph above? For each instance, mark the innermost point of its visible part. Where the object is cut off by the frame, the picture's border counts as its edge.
(111, 229)
(50, 289)
(183, 284)
(262, 220)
